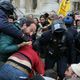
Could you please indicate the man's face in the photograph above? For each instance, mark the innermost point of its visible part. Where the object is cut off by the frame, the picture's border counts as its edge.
(78, 23)
(68, 72)
(31, 29)
(42, 20)
(35, 21)
(70, 75)
(23, 27)
(10, 20)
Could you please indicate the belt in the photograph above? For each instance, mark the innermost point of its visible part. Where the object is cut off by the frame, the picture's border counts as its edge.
(18, 67)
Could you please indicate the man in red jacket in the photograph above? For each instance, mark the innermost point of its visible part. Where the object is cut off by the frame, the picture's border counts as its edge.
(22, 64)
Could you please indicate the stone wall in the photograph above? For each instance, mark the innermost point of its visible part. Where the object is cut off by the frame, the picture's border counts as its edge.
(26, 6)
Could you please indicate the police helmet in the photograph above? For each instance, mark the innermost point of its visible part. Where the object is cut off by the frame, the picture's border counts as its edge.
(68, 20)
(7, 7)
(58, 27)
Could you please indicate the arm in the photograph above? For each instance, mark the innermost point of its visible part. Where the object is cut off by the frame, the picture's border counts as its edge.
(71, 49)
(39, 66)
(12, 30)
(7, 48)
(42, 41)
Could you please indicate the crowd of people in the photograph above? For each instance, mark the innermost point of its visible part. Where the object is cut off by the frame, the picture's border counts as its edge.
(30, 47)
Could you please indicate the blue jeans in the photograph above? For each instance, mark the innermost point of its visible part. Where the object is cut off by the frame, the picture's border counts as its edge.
(8, 72)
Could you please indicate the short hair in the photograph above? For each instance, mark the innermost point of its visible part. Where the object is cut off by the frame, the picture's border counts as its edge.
(46, 15)
(42, 16)
(26, 21)
(11, 17)
(29, 22)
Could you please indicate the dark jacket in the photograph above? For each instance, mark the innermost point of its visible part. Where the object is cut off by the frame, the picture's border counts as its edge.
(46, 40)
(8, 28)
(73, 31)
(7, 46)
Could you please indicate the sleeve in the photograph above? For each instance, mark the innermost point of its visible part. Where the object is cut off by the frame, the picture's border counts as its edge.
(42, 41)
(71, 49)
(12, 30)
(7, 49)
(45, 38)
(39, 66)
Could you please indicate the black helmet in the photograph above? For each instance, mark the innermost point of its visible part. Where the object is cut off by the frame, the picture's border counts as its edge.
(58, 27)
(7, 7)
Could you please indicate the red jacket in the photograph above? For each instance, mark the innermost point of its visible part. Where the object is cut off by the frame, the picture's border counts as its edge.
(37, 64)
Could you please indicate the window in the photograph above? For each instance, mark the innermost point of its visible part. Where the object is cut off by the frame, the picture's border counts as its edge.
(59, 1)
(34, 4)
(76, 6)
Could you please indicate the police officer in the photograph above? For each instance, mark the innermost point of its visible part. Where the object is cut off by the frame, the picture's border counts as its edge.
(58, 44)
(69, 22)
(6, 9)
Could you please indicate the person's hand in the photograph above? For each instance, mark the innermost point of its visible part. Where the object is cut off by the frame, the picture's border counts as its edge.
(45, 28)
(25, 43)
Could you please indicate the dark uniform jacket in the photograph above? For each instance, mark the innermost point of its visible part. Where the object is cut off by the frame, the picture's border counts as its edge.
(45, 42)
(8, 28)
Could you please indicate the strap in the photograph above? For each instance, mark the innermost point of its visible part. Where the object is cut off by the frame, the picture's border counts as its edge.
(26, 56)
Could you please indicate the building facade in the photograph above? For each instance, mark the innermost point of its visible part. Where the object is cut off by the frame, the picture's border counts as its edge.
(25, 7)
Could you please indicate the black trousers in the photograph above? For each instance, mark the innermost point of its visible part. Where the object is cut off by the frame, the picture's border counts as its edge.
(62, 63)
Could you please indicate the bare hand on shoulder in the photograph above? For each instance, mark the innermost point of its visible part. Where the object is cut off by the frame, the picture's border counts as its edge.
(25, 43)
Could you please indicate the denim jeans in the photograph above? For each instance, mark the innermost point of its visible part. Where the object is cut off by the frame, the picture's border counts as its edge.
(8, 72)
